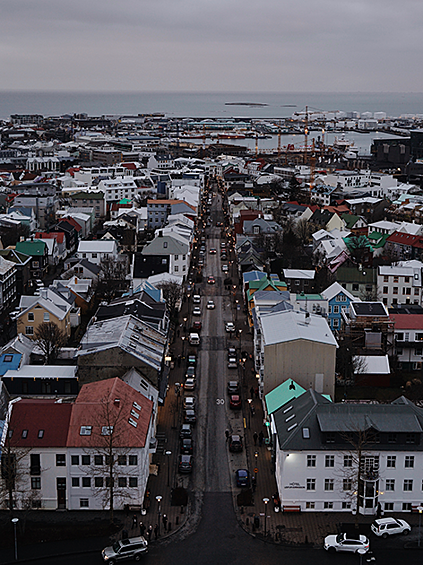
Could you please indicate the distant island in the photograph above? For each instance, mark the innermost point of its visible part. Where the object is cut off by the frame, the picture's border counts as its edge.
(289, 106)
(251, 104)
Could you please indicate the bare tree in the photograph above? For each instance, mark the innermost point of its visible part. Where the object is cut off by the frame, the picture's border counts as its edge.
(50, 339)
(303, 230)
(172, 293)
(112, 277)
(348, 364)
(110, 452)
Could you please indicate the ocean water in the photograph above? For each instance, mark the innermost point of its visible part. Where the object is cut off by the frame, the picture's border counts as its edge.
(206, 104)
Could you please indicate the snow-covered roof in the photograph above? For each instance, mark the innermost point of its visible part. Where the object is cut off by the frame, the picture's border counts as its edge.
(289, 325)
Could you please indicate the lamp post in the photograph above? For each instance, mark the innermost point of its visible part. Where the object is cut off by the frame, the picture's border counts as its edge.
(15, 523)
(240, 340)
(159, 500)
(420, 509)
(361, 552)
(183, 346)
(249, 413)
(168, 453)
(266, 502)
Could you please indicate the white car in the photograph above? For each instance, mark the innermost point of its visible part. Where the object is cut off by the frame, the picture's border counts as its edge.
(230, 327)
(196, 311)
(189, 384)
(346, 543)
(225, 268)
(385, 527)
(210, 305)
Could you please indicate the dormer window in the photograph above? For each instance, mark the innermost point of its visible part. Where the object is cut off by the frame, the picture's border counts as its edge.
(164, 244)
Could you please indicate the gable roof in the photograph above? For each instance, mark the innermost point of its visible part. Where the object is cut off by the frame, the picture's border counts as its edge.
(335, 289)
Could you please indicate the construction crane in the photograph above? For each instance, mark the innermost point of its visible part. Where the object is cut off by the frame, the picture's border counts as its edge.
(279, 140)
(306, 137)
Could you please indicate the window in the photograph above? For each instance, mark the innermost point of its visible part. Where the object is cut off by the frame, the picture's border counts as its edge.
(311, 460)
(409, 461)
(385, 290)
(385, 279)
(60, 460)
(98, 482)
(330, 437)
(328, 505)
(395, 290)
(347, 484)
(29, 330)
(122, 460)
(346, 505)
(46, 317)
(410, 438)
(408, 485)
(392, 437)
(35, 464)
(122, 482)
(336, 309)
(416, 292)
(311, 484)
(329, 484)
(133, 482)
(30, 316)
(390, 485)
(348, 460)
(391, 461)
(330, 461)
(176, 268)
(86, 482)
(389, 506)
(310, 505)
(75, 481)
(165, 244)
(94, 255)
(86, 460)
(396, 279)
(74, 459)
(83, 503)
(176, 257)
(36, 483)
(418, 351)
(336, 323)
(98, 460)
(133, 460)
(355, 287)
(407, 506)
(35, 264)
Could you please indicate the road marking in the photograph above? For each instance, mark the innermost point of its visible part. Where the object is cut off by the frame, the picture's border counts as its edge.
(220, 401)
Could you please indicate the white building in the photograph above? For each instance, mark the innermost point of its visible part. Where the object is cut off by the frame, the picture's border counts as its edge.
(400, 284)
(97, 250)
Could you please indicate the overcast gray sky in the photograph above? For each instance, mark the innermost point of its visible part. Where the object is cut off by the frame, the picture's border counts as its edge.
(211, 45)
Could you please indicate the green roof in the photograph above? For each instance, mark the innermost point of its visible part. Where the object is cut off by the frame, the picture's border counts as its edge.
(264, 283)
(309, 297)
(282, 394)
(32, 248)
(125, 201)
(88, 196)
(378, 239)
(350, 220)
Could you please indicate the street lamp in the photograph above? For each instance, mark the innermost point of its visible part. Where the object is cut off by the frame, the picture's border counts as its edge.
(266, 502)
(168, 453)
(159, 500)
(420, 509)
(240, 340)
(249, 412)
(15, 523)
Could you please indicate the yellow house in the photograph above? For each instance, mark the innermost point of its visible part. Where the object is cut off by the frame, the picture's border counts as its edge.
(48, 307)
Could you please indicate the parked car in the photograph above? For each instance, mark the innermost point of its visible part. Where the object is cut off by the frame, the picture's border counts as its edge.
(194, 338)
(233, 387)
(231, 352)
(196, 311)
(189, 384)
(347, 543)
(230, 327)
(130, 548)
(225, 268)
(190, 417)
(210, 305)
(223, 256)
(185, 463)
(232, 363)
(186, 446)
(222, 244)
(385, 527)
(235, 444)
(197, 325)
(211, 280)
(192, 359)
(189, 402)
(200, 262)
(196, 299)
(186, 431)
(242, 477)
(235, 402)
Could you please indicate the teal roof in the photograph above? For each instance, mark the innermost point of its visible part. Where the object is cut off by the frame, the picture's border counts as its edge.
(32, 248)
(309, 297)
(282, 394)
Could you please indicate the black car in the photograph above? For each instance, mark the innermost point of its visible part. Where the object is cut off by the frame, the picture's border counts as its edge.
(185, 463)
(235, 443)
(192, 359)
(242, 477)
(190, 417)
(233, 387)
(187, 446)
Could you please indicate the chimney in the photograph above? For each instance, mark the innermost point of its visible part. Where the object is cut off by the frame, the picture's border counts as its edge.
(44, 293)
(117, 401)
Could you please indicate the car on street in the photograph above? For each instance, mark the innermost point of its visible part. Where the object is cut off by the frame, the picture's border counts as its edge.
(231, 352)
(210, 305)
(225, 268)
(197, 325)
(222, 244)
(235, 402)
(200, 262)
(212, 251)
(196, 311)
(194, 338)
(230, 327)
(186, 431)
(242, 477)
(232, 363)
(186, 446)
(130, 548)
(190, 417)
(192, 359)
(235, 444)
(233, 387)
(202, 252)
(211, 280)
(189, 402)
(196, 299)
(385, 527)
(347, 543)
(189, 384)
(223, 256)
(190, 372)
(185, 463)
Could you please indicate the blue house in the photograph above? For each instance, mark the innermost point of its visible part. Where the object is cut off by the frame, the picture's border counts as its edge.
(338, 299)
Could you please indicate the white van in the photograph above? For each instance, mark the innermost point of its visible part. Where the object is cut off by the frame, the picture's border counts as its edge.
(194, 339)
(196, 299)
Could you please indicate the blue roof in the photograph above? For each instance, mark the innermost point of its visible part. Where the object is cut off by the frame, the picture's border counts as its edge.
(253, 276)
(9, 361)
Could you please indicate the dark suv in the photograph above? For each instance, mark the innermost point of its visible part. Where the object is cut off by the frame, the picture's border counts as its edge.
(233, 387)
(235, 444)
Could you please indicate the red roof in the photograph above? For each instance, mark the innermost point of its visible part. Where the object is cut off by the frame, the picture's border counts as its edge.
(58, 236)
(29, 416)
(130, 166)
(408, 321)
(72, 222)
(106, 403)
(406, 239)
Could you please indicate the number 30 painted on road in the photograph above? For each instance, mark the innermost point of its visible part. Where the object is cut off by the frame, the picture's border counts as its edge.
(220, 401)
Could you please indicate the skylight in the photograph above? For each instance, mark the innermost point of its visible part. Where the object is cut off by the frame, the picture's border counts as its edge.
(133, 422)
(40, 434)
(292, 427)
(135, 414)
(306, 433)
(24, 434)
(287, 409)
(136, 405)
(85, 430)
(106, 430)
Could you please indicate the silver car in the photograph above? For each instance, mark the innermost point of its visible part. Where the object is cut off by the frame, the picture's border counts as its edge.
(131, 548)
(347, 543)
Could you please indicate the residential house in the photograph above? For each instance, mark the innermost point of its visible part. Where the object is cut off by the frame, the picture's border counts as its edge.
(361, 283)
(408, 340)
(38, 251)
(71, 232)
(59, 237)
(400, 284)
(8, 293)
(173, 247)
(369, 327)
(89, 199)
(339, 300)
(96, 251)
(41, 380)
(82, 268)
(299, 280)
